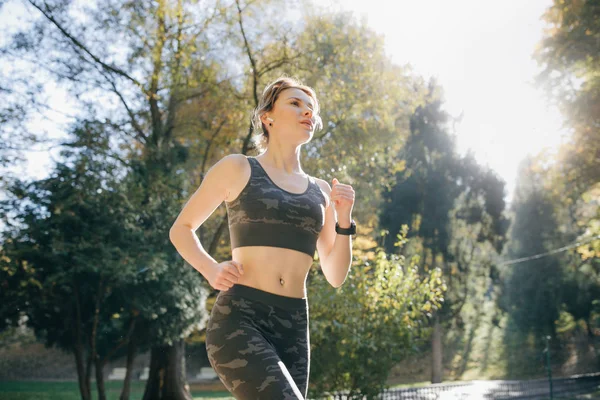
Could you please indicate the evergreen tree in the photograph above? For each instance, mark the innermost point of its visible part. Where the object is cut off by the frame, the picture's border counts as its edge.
(434, 190)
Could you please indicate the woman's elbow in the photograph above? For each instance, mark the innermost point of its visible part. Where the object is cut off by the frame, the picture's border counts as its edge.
(336, 283)
(172, 234)
(175, 231)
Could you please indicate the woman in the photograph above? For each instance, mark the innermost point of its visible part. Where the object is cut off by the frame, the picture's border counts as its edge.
(257, 337)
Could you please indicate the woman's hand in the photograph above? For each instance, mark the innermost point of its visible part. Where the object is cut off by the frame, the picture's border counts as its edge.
(343, 199)
(224, 275)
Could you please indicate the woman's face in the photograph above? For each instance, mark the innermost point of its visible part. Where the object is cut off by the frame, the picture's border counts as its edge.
(292, 116)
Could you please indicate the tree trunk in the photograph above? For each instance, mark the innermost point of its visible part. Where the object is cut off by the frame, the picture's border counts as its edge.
(88, 373)
(84, 384)
(131, 349)
(100, 378)
(154, 382)
(167, 380)
(588, 323)
(436, 351)
(82, 373)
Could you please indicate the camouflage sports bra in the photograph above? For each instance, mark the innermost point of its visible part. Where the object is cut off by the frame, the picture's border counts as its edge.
(266, 215)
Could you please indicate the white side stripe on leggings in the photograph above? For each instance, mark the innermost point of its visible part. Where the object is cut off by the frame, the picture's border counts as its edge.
(290, 380)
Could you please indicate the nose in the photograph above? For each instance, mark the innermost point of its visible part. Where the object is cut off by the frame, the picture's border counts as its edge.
(308, 112)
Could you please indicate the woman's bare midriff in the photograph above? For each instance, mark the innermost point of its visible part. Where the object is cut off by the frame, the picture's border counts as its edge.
(274, 269)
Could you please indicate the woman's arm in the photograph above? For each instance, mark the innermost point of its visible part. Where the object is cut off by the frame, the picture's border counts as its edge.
(335, 251)
(213, 190)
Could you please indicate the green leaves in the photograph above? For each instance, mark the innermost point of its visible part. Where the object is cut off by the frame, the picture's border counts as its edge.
(359, 331)
(91, 245)
(570, 56)
(559, 193)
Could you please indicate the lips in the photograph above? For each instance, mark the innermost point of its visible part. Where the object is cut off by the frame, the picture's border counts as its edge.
(308, 124)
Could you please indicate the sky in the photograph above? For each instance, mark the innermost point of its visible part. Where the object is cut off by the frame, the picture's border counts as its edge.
(480, 52)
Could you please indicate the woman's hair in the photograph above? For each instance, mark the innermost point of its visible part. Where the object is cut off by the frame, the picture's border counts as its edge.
(267, 102)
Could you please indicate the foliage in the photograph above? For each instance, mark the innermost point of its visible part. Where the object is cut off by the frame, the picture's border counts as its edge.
(359, 331)
(78, 262)
(564, 203)
(541, 294)
(454, 208)
(72, 235)
(367, 102)
(452, 204)
(532, 289)
(569, 55)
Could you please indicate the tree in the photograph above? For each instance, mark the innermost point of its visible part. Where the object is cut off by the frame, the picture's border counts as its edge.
(436, 191)
(69, 248)
(533, 287)
(532, 290)
(569, 55)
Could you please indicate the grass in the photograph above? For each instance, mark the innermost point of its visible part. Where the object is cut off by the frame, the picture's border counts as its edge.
(34, 390)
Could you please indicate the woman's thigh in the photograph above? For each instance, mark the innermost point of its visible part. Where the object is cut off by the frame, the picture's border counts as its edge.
(245, 360)
(291, 339)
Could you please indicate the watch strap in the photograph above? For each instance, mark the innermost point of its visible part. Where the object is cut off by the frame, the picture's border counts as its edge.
(346, 231)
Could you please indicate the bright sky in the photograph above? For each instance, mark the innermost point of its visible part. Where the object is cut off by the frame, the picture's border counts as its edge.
(480, 52)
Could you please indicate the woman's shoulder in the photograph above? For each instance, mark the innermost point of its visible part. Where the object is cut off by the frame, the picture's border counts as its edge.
(231, 165)
(233, 172)
(235, 157)
(234, 161)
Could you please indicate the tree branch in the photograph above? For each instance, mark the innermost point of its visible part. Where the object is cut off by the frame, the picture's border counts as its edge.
(249, 53)
(140, 133)
(122, 342)
(176, 74)
(80, 45)
(153, 92)
(207, 150)
(276, 64)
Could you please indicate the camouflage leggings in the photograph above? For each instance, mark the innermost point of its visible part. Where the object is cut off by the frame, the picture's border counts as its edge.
(258, 343)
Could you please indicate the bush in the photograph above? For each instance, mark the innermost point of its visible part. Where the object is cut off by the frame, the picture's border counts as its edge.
(359, 331)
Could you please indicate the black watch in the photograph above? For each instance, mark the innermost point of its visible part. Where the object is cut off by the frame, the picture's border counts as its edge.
(346, 231)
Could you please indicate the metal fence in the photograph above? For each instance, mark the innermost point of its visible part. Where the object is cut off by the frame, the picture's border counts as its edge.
(502, 390)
